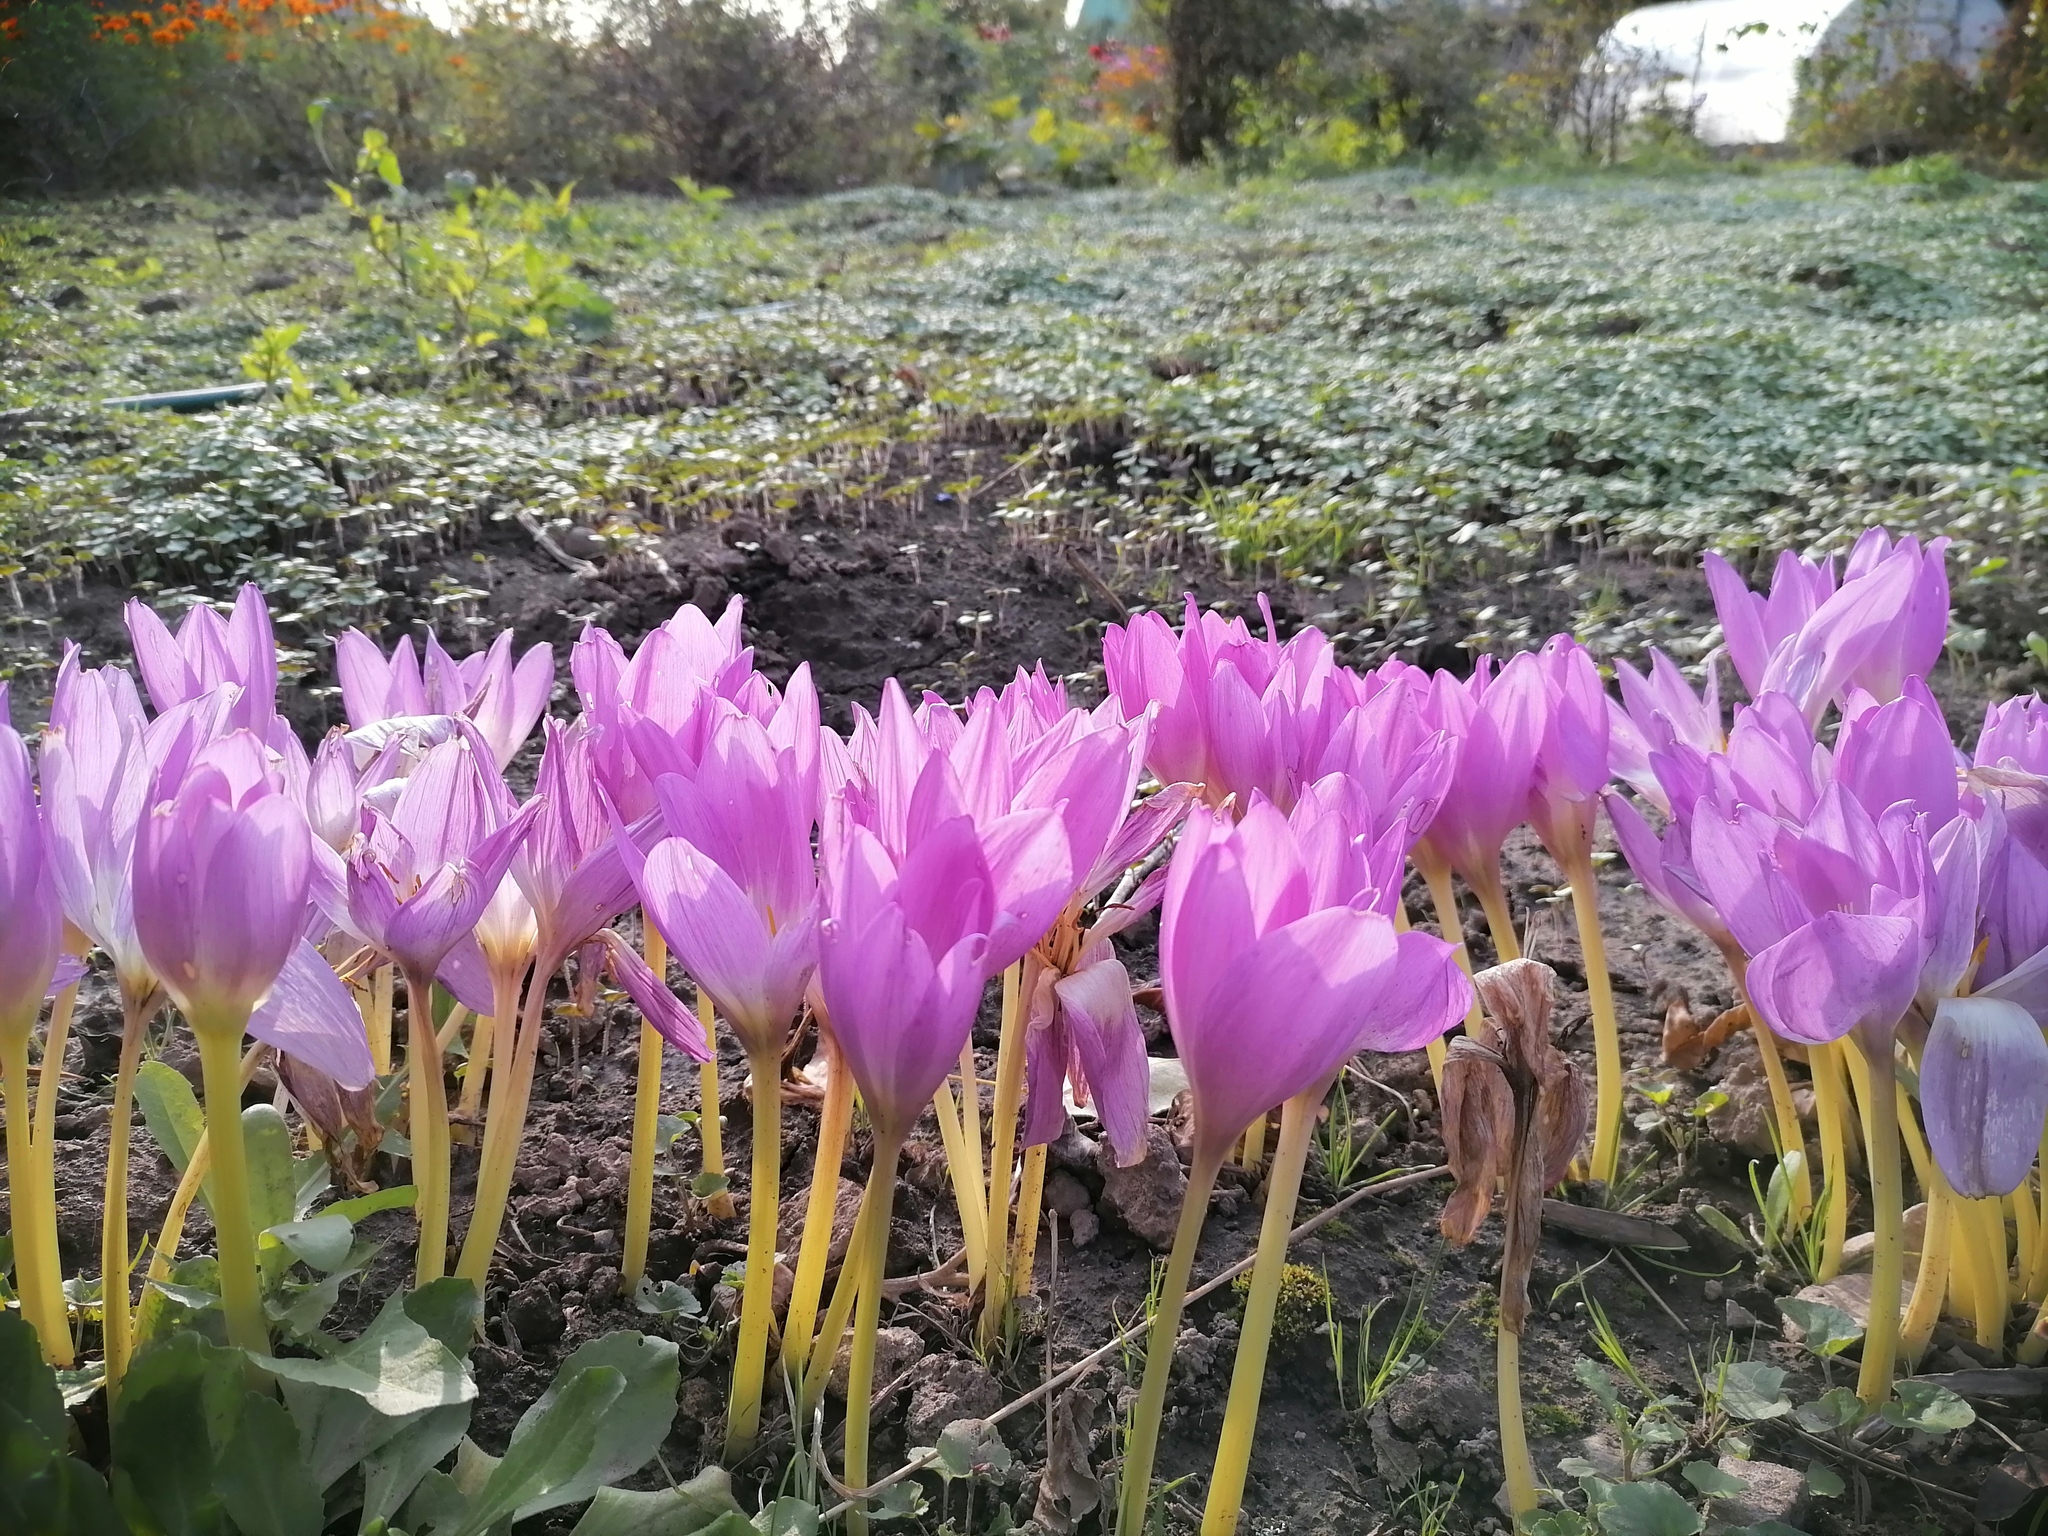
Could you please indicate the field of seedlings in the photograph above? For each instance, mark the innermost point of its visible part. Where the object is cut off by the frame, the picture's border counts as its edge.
(641, 912)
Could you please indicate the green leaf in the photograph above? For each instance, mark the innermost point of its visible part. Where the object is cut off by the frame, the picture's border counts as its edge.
(1930, 1409)
(705, 1185)
(1723, 1224)
(324, 1241)
(1827, 1330)
(171, 1111)
(394, 1469)
(397, 1368)
(1711, 1482)
(190, 1299)
(273, 1185)
(263, 1481)
(899, 1501)
(399, 1197)
(450, 1309)
(552, 1455)
(787, 1517)
(178, 1403)
(33, 1425)
(1825, 1481)
(633, 1425)
(969, 1446)
(1836, 1408)
(688, 1510)
(666, 1298)
(1594, 1377)
(1555, 1522)
(1647, 1509)
(1752, 1390)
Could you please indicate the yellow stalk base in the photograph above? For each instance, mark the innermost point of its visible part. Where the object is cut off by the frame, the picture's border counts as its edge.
(379, 1020)
(757, 1301)
(1514, 1436)
(710, 1127)
(1987, 1217)
(114, 1267)
(478, 1067)
(860, 1373)
(1830, 1109)
(646, 1112)
(814, 1250)
(427, 1095)
(825, 1348)
(51, 1321)
(1438, 1054)
(220, 1050)
(1500, 922)
(1791, 1132)
(2025, 1241)
(1450, 927)
(1141, 1449)
(1002, 1130)
(504, 1125)
(1606, 1030)
(970, 1122)
(197, 1166)
(1248, 1376)
(1931, 1281)
(1888, 1205)
(1024, 1249)
(967, 1189)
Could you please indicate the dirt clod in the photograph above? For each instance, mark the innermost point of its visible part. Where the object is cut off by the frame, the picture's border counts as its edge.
(1145, 1197)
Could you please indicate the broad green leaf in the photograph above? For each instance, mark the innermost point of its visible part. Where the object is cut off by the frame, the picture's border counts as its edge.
(969, 1446)
(323, 1241)
(1711, 1482)
(263, 1481)
(1826, 1330)
(273, 1183)
(1752, 1390)
(1928, 1408)
(67, 1498)
(633, 1425)
(1836, 1408)
(171, 1111)
(688, 1510)
(1721, 1223)
(393, 1470)
(1825, 1481)
(1647, 1509)
(1553, 1522)
(189, 1299)
(787, 1517)
(449, 1309)
(397, 1368)
(33, 1426)
(399, 1197)
(543, 1467)
(899, 1501)
(666, 1298)
(178, 1403)
(1596, 1379)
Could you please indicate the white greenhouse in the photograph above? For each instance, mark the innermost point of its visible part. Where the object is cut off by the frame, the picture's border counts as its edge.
(1734, 64)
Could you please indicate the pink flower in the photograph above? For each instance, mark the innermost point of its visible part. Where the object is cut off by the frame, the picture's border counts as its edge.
(208, 651)
(503, 700)
(30, 916)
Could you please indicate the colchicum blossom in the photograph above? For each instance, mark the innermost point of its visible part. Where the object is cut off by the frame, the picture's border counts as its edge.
(503, 699)
(1276, 967)
(222, 865)
(208, 651)
(31, 937)
(1984, 1089)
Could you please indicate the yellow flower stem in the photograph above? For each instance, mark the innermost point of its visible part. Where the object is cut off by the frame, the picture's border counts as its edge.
(1606, 1030)
(1850, 1053)
(427, 1124)
(1931, 1282)
(1791, 1132)
(860, 1374)
(1888, 1205)
(757, 1300)
(646, 1114)
(814, 1251)
(1514, 1434)
(970, 1122)
(967, 1192)
(1966, 1255)
(2041, 1173)
(1450, 927)
(1254, 1143)
(197, 1166)
(114, 1259)
(1500, 922)
(49, 1083)
(1255, 1336)
(478, 1067)
(1916, 1142)
(220, 1051)
(1002, 1133)
(504, 1125)
(1024, 1248)
(825, 1348)
(27, 1202)
(710, 1126)
(379, 1020)
(1438, 1054)
(1830, 1109)
(2021, 1204)
(1141, 1447)
(1987, 1217)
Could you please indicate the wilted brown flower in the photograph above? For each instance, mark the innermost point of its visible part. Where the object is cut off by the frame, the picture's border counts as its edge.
(1514, 1111)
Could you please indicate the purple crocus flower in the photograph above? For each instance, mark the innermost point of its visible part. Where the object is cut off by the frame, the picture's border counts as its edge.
(1489, 789)
(1984, 1091)
(30, 915)
(208, 651)
(1272, 977)
(1754, 624)
(502, 698)
(1554, 702)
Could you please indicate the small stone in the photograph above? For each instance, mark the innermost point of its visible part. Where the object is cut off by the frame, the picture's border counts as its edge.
(1845, 1293)
(1065, 1193)
(845, 1212)
(948, 1388)
(1146, 1196)
(701, 1403)
(70, 296)
(162, 304)
(1741, 1318)
(1194, 1355)
(1857, 1251)
(1713, 1290)
(1449, 1404)
(604, 1287)
(269, 282)
(1603, 1451)
(896, 1351)
(1775, 1494)
(1073, 1151)
(1084, 1227)
(1397, 1462)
